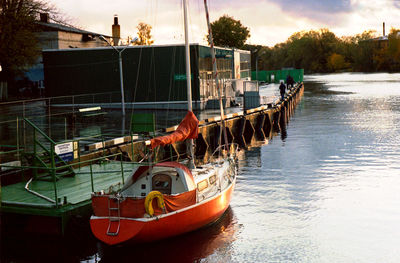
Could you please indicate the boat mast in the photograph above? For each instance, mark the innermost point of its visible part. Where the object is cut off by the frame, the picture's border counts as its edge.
(215, 72)
(188, 79)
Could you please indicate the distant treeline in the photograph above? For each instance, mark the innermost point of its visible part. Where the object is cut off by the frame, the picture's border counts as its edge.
(322, 52)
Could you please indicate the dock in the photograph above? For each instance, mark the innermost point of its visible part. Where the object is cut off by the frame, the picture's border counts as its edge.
(62, 190)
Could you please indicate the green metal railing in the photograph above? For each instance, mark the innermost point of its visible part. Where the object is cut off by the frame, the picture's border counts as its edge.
(44, 146)
(50, 152)
(274, 76)
(15, 149)
(57, 202)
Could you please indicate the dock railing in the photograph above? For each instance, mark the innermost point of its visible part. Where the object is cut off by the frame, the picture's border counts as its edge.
(44, 110)
(47, 165)
(57, 201)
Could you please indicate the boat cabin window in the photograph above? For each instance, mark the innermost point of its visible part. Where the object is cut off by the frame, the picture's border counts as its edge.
(202, 185)
(162, 183)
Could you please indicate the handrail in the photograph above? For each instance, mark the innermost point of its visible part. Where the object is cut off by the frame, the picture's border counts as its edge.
(41, 145)
(72, 164)
(92, 137)
(12, 151)
(8, 146)
(39, 130)
(55, 202)
(57, 97)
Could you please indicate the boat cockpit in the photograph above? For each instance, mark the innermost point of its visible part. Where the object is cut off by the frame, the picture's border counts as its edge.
(166, 180)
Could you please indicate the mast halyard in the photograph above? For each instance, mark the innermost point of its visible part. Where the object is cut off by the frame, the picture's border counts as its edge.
(188, 80)
(215, 72)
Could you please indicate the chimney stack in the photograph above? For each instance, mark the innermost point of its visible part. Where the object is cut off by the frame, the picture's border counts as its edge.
(44, 17)
(116, 34)
(384, 29)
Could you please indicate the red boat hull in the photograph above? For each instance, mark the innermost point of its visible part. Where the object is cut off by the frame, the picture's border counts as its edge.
(163, 226)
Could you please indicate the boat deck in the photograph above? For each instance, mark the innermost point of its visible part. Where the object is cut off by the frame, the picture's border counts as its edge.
(75, 190)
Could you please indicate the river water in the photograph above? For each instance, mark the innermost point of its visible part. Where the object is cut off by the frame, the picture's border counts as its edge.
(330, 191)
(326, 191)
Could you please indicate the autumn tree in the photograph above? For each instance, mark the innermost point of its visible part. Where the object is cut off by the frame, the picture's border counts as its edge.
(144, 34)
(336, 62)
(363, 51)
(19, 47)
(18, 43)
(320, 51)
(228, 32)
(393, 50)
(310, 50)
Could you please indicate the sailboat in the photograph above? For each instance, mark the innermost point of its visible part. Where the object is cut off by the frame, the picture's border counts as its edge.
(168, 198)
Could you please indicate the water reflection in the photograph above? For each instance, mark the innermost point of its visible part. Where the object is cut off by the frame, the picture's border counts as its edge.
(212, 241)
(282, 126)
(78, 247)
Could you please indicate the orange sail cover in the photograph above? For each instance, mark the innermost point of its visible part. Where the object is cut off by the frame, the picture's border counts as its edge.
(187, 129)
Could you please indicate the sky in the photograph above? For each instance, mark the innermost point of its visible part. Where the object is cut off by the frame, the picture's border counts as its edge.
(270, 21)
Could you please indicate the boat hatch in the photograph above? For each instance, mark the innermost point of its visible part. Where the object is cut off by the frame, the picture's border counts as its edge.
(162, 182)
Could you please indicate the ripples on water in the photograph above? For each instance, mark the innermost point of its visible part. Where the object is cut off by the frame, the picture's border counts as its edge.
(328, 192)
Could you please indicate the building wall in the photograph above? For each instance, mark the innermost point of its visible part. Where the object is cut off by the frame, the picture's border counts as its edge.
(57, 40)
(75, 40)
(64, 40)
(151, 73)
(48, 40)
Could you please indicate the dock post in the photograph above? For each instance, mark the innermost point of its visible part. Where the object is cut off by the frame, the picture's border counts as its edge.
(91, 176)
(122, 171)
(53, 172)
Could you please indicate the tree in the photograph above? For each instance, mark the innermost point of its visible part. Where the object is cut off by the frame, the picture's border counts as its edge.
(144, 34)
(336, 62)
(393, 51)
(18, 44)
(309, 50)
(363, 51)
(228, 32)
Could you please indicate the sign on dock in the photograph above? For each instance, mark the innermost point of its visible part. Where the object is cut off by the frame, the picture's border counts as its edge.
(67, 151)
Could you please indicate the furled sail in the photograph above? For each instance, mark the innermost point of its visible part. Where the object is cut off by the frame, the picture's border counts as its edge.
(187, 129)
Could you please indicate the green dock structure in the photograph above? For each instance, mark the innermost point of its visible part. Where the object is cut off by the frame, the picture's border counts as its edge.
(275, 76)
(72, 193)
(44, 189)
(51, 190)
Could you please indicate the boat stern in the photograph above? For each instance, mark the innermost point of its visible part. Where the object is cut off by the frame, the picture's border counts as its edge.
(114, 231)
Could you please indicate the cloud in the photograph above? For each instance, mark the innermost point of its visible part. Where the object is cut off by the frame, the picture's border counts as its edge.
(318, 6)
(325, 11)
(270, 21)
(329, 12)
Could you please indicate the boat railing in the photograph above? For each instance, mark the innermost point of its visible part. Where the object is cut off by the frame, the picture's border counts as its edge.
(230, 149)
